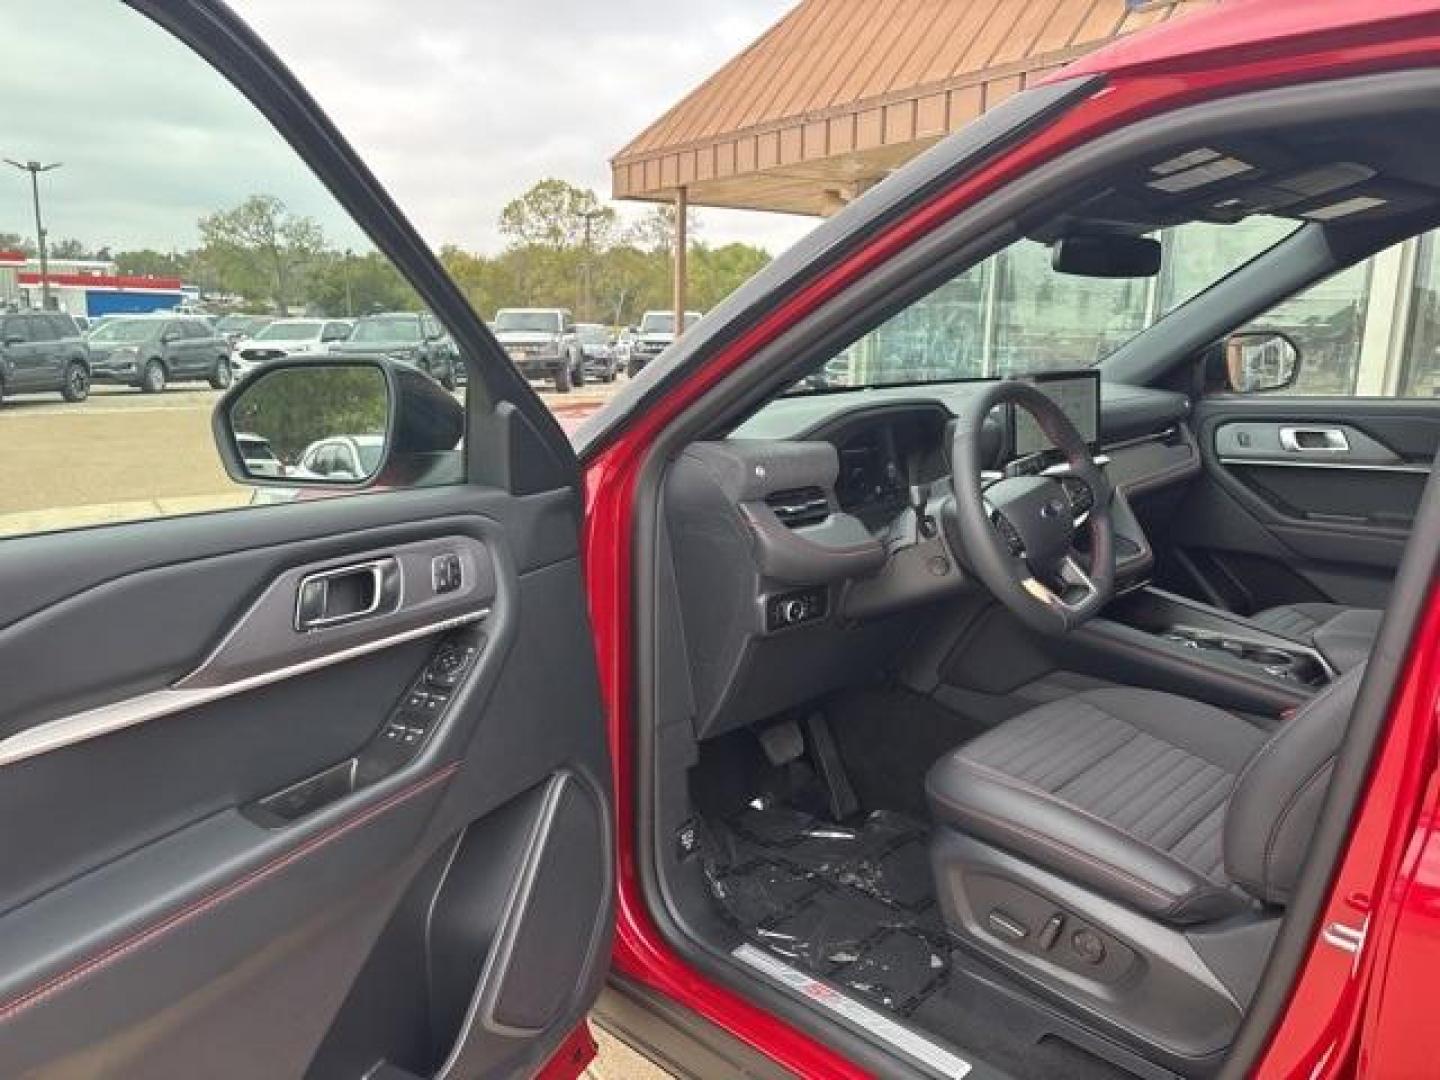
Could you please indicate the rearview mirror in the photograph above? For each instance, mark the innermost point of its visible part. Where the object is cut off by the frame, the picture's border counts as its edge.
(1258, 361)
(319, 423)
(1106, 256)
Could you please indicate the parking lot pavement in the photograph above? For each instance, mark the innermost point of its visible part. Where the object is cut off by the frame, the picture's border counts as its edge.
(123, 455)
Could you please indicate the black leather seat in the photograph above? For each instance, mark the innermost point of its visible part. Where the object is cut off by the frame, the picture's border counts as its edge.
(1159, 826)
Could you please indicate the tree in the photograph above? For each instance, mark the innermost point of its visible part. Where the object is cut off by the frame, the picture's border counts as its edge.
(147, 262)
(554, 214)
(10, 241)
(69, 248)
(484, 281)
(655, 231)
(343, 283)
(714, 273)
(261, 248)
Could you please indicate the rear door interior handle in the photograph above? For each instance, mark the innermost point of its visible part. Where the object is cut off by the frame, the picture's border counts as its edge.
(347, 594)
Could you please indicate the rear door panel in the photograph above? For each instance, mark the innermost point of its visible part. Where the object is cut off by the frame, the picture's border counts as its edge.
(1279, 517)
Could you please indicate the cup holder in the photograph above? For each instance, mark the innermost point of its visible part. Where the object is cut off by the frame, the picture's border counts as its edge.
(1299, 667)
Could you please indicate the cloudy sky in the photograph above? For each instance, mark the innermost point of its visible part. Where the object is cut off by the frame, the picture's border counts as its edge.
(458, 107)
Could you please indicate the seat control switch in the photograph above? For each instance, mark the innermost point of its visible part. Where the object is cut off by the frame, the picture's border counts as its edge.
(1006, 927)
(1050, 931)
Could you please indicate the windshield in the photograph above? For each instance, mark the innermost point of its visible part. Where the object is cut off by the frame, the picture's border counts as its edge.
(1014, 314)
(397, 328)
(245, 324)
(298, 331)
(535, 322)
(122, 330)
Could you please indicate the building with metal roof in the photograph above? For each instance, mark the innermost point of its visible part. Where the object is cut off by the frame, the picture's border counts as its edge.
(840, 92)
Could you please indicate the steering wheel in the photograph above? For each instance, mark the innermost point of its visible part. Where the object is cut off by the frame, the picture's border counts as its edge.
(1018, 533)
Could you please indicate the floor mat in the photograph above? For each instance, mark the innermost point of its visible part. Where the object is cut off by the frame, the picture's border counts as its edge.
(855, 905)
(852, 904)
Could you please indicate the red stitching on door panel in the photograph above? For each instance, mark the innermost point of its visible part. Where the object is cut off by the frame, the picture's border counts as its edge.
(19, 1004)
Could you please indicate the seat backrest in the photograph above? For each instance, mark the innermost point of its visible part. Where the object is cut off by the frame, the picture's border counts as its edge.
(1276, 803)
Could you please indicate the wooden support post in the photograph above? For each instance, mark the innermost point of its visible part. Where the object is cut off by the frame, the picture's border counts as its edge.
(682, 243)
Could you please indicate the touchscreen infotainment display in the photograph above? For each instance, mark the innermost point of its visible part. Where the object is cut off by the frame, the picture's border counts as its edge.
(1078, 395)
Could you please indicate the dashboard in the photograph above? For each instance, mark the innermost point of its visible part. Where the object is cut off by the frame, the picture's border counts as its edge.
(801, 536)
(889, 451)
(882, 456)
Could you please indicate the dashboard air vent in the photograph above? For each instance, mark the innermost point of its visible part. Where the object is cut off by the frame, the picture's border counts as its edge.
(799, 506)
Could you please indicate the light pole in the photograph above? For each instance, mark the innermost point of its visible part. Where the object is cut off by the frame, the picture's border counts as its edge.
(349, 299)
(588, 285)
(34, 168)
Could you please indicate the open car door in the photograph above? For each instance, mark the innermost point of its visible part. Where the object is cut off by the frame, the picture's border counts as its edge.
(300, 781)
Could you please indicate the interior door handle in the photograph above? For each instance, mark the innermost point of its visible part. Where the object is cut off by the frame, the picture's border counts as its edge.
(347, 594)
(1325, 440)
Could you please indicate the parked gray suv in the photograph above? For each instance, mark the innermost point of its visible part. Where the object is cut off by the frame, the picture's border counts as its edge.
(151, 351)
(43, 351)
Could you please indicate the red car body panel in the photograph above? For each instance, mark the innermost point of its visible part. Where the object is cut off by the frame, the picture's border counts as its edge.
(1233, 48)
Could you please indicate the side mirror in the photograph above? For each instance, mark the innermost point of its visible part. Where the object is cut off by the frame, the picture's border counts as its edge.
(1107, 256)
(399, 421)
(1259, 361)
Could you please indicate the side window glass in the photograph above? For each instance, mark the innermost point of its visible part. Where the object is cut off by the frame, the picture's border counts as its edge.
(262, 232)
(39, 328)
(15, 329)
(1372, 330)
(1420, 370)
(1327, 323)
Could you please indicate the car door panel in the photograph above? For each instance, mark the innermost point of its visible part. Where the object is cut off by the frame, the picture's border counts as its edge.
(1305, 499)
(149, 912)
(241, 843)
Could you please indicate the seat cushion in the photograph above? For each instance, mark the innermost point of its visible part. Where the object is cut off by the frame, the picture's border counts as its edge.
(1300, 621)
(1122, 790)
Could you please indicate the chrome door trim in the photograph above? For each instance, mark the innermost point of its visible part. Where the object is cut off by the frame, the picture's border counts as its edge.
(1353, 466)
(116, 716)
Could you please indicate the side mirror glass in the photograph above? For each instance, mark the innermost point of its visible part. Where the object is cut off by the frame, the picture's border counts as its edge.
(387, 417)
(279, 414)
(1260, 361)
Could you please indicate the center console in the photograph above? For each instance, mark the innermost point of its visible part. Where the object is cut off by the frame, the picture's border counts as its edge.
(1149, 637)
(1222, 637)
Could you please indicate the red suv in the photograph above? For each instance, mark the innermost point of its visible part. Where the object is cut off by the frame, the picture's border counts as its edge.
(999, 640)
